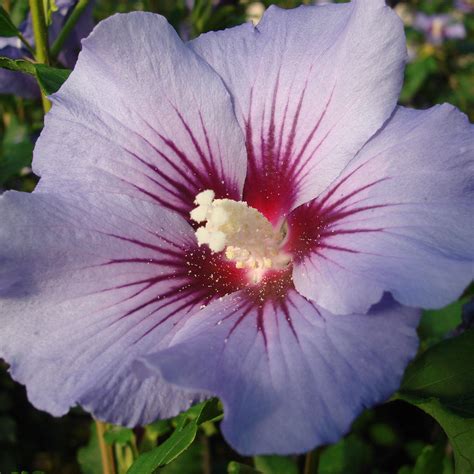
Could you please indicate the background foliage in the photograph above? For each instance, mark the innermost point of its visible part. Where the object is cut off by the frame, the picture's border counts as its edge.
(427, 428)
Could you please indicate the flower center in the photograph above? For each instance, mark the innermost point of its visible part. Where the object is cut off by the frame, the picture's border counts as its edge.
(247, 237)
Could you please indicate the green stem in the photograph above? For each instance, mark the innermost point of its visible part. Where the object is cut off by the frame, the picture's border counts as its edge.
(26, 43)
(68, 27)
(308, 463)
(106, 452)
(311, 463)
(40, 32)
(134, 447)
(206, 458)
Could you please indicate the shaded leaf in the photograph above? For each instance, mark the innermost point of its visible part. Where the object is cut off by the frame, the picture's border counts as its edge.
(238, 468)
(178, 442)
(441, 383)
(444, 372)
(16, 152)
(8, 429)
(15, 158)
(203, 412)
(190, 462)
(275, 465)
(50, 78)
(88, 457)
(210, 411)
(414, 448)
(152, 432)
(460, 432)
(120, 435)
(7, 28)
(186, 429)
(435, 324)
(416, 74)
(383, 434)
(430, 461)
(18, 11)
(349, 455)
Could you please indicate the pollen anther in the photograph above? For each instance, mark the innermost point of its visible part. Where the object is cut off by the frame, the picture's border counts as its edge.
(247, 237)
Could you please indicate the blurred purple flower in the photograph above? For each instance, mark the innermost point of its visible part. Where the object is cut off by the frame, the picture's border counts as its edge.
(25, 86)
(136, 279)
(16, 82)
(438, 28)
(466, 6)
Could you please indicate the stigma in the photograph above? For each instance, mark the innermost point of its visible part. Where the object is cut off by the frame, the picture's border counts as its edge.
(242, 232)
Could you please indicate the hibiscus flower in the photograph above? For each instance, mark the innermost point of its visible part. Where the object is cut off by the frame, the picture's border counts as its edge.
(248, 215)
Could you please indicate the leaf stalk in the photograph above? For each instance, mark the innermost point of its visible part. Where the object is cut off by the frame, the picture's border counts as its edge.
(40, 32)
(106, 452)
(68, 27)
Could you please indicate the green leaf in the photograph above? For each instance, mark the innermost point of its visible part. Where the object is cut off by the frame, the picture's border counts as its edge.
(275, 465)
(16, 152)
(238, 468)
(383, 434)
(413, 448)
(8, 429)
(430, 461)
(14, 159)
(186, 429)
(152, 432)
(119, 435)
(210, 411)
(460, 432)
(7, 28)
(349, 455)
(178, 442)
(203, 412)
(444, 372)
(50, 78)
(18, 11)
(19, 65)
(190, 462)
(88, 457)
(416, 73)
(436, 323)
(441, 383)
